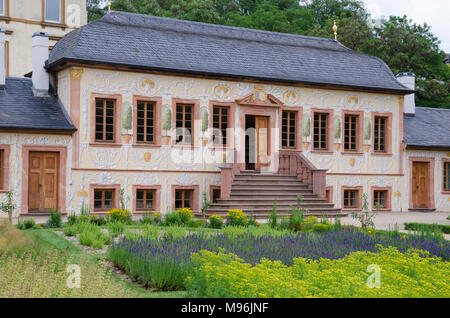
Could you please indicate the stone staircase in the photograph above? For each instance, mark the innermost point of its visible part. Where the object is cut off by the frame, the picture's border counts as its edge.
(255, 194)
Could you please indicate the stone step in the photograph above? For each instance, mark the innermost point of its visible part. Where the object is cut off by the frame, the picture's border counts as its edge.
(272, 187)
(264, 216)
(291, 199)
(267, 179)
(265, 175)
(224, 209)
(283, 183)
(255, 194)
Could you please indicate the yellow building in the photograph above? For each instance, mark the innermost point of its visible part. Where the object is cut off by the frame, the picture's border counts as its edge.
(167, 110)
(22, 18)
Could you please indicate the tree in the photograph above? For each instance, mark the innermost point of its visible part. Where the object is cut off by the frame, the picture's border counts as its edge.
(402, 44)
(95, 9)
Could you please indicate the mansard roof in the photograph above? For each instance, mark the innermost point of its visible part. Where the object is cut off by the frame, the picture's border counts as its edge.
(429, 128)
(162, 44)
(21, 110)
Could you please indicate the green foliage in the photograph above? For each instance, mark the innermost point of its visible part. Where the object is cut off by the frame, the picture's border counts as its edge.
(11, 238)
(29, 224)
(404, 45)
(55, 219)
(215, 221)
(91, 235)
(118, 215)
(423, 226)
(273, 217)
(236, 217)
(9, 205)
(365, 217)
(116, 228)
(413, 274)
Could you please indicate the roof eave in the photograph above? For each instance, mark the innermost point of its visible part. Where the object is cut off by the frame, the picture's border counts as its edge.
(55, 64)
(53, 130)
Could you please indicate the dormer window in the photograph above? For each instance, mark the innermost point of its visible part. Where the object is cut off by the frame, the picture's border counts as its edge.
(52, 11)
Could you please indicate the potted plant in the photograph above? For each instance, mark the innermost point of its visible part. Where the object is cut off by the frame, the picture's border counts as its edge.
(337, 133)
(306, 131)
(166, 124)
(127, 119)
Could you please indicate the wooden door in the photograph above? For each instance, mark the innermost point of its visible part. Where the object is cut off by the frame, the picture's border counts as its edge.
(262, 140)
(420, 184)
(43, 181)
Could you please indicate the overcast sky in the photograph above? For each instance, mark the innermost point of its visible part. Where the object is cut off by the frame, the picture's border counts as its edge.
(435, 13)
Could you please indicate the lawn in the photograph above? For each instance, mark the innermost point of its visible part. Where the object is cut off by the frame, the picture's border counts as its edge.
(177, 256)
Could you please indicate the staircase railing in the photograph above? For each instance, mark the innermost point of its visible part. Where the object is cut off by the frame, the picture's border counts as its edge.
(291, 162)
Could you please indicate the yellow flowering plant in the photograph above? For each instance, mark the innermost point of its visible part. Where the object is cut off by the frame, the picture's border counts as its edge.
(413, 274)
(119, 215)
(236, 217)
(215, 221)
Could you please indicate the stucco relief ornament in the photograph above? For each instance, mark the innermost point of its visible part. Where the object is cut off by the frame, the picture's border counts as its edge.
(186, 179)
(147, 84)
(259, 95)
(290, 97)
(147, 179)
(353, 101)
(222, 91)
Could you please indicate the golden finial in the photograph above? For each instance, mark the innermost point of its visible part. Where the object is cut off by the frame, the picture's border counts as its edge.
(335, 28)
(109, 5)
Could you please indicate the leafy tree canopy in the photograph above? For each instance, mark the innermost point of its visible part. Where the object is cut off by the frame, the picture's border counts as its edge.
(404, 45)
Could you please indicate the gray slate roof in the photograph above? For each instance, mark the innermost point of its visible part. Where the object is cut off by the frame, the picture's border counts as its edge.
(20, 109)
(148, 42)
(430, 127)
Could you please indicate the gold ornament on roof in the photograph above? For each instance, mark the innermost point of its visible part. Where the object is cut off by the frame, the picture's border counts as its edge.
(335, 28)
(109, 5)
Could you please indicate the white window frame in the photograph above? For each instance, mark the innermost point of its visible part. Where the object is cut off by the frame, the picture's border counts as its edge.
(60, 13)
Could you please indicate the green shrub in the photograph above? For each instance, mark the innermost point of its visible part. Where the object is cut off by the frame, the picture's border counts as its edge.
(116, 228)
(147, 218)
(236, 217)
(413, 274)
(273, 217)
(172, 218)
(427, 227)
(89, 234)
(98, 220)
(20, 224)
(72, 219)
(29, 224)
(195, 223)
(215, 221)
(321, 227)
(54, 220)
(119, 215)
(70, 230)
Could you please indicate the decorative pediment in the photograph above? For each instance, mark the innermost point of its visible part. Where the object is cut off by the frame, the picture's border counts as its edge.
(259, 97)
